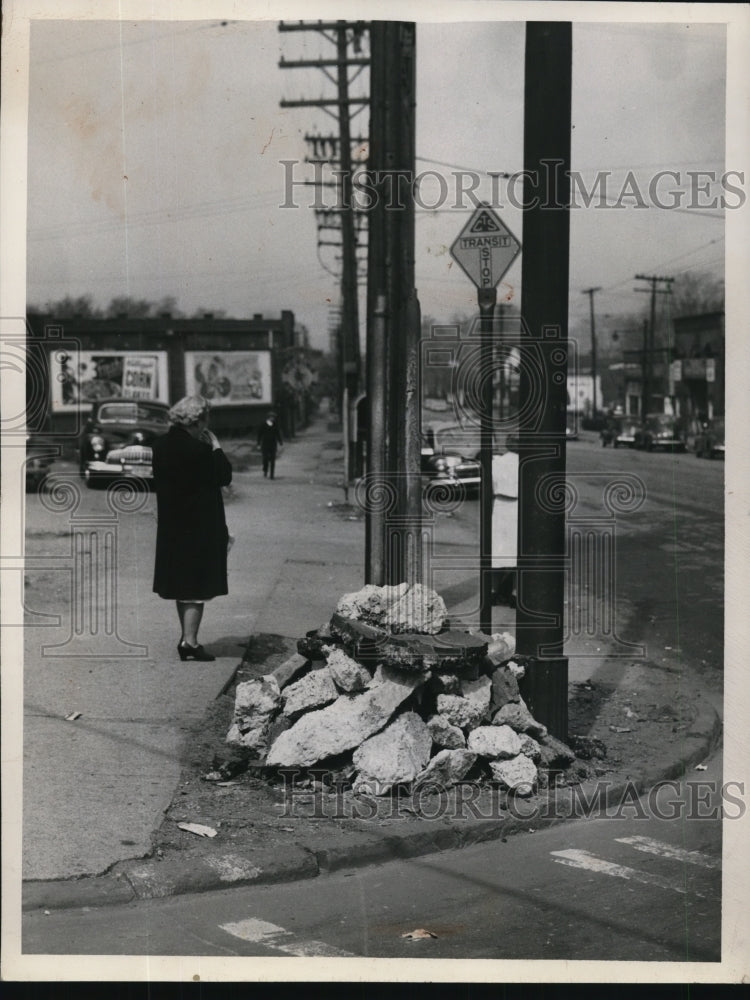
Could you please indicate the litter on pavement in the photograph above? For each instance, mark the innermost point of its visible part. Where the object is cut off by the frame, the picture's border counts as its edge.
(419, 934)
(197, 829)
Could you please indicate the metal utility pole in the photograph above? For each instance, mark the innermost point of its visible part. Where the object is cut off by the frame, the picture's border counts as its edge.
(544, 307)
(394, 327)
(653, 280)
(591, 292)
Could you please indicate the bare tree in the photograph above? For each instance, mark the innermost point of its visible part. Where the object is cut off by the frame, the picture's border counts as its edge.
(695, 292)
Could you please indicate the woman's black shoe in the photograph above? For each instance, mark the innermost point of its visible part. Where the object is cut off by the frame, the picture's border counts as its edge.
(188, 652)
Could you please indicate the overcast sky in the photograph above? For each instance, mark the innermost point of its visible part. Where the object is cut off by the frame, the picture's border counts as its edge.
(155, 149)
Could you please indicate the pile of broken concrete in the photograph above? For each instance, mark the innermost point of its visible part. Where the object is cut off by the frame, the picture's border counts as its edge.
(389, 695)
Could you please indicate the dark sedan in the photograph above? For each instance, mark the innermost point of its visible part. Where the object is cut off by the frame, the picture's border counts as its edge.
(620, 432)
(709, 441)
(450, 456)
(117, 437)
(659, 430)
(40, 454)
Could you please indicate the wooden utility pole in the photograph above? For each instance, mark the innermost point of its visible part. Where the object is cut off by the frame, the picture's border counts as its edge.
(393, 537)
(544, 307)
(591, 292)
(338, 33)
(653, 280)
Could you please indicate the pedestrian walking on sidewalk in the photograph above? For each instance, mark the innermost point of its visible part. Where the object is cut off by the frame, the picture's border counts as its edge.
(192, 537)
(504, 526)
(269, 441)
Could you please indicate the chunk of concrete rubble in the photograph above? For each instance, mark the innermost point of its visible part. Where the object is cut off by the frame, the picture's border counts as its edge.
(396, 609)
(447, 768)
(494, 742)
(442, 683)
(345, 724)
(313, 645)
(518, 774)
(444, 734)
(460, 711)
(395, 755)
(530, 748)
(501, 647)
(518, 717)
(517, 669)
(289, 669)
(553, 753)
(312, 691)
(370, 604)
(255, 703)
(478, 692)
(420, 609)
(504, 689)
(347, 674)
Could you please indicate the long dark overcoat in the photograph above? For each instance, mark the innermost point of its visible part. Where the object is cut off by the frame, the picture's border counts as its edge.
(191, 535)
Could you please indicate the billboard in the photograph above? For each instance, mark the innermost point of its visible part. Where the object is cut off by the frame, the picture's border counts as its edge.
(78, 378)
(229, 378)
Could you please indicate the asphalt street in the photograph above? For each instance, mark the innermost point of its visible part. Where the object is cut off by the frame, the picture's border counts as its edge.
(642, 883)
(95, 787)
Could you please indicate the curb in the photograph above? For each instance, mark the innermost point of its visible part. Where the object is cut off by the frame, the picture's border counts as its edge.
(151, 878)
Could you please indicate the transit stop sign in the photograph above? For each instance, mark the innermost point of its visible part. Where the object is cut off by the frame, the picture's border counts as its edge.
(485, 248)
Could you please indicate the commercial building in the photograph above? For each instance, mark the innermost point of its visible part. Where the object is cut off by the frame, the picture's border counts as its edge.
(244, 367)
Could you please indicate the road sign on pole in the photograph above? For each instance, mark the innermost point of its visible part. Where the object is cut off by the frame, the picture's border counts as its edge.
(485, 248)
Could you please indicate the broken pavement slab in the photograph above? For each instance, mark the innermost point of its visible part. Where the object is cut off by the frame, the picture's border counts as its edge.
(449, 650)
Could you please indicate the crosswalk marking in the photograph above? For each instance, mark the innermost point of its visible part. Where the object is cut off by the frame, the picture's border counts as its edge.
(649, 846)
(272, 936)
(590, 862)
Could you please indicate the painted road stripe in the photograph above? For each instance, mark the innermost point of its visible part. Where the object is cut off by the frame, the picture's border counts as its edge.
(589, 862)
(272, 936)
(649, 846)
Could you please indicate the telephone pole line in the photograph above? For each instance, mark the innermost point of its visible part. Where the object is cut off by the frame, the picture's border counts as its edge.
(649, 340)
(338, 33)
(591, 292)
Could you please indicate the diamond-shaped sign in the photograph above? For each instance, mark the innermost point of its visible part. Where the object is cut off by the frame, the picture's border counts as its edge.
(485, 247)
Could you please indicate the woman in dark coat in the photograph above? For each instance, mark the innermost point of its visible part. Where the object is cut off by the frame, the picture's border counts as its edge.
(191, 538)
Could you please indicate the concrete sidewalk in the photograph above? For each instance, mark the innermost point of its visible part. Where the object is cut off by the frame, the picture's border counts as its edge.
(298, 548)
(96, 788)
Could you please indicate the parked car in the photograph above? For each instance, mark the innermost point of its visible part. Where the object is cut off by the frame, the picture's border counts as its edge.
(116, 439)
(709, 441)
(450, 454)
(40, 454)
(620, 432)
(659, 430)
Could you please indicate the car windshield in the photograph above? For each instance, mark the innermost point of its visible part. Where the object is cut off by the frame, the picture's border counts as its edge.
(662, 420)
(154, 414)
(465, 441)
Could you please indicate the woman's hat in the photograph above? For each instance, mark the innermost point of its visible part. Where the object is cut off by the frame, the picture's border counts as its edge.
(189, 410)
